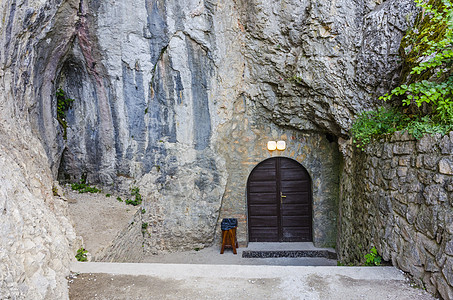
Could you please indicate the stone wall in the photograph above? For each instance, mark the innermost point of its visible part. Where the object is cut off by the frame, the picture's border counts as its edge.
(397, 195)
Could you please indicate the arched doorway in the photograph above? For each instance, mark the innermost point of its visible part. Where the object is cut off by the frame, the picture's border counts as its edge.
(279, 201)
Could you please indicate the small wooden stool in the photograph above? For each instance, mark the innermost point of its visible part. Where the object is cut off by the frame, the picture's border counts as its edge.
(229, 240)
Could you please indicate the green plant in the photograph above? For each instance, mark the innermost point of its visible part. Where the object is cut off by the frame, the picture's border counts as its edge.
(374, 124)
(119, 199)
(296, 79)
(421, 126)
(81, 255)
(428, 53)
(83, 187)
(144, 225)
(108, 195)
(143, 211)
(137, 198)
(55, 191)
(373, 258)
(426, 95)
(63, 104)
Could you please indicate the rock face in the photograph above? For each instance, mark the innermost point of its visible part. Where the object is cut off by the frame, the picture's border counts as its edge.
(179, 99)
(36, 238)
(402, 189)
(155, 85)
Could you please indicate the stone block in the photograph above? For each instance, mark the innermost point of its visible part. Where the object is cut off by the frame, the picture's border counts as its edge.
(389, 173)
(387, 151)
(449, 185)
(441, 257)
(394, 162)
(440, 179)
(449, 247)
(434, 194)
(447, 270)
(425, 177)
(411, 213)
(430, 264)
(394, 184)
(402, 171)
(430, 162)
(374, 162)
(414, 187)
(446, 166)
(430, 245)
(401, 136)
(445, 145)
(445, 290)
(426, 221)
(403, 148)
(404, 161)
(426, 144)
(419, 162)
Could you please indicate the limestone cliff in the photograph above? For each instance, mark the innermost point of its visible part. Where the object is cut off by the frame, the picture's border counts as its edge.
(179, 99)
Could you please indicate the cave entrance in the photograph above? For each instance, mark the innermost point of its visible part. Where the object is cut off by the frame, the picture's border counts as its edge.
(279, 201)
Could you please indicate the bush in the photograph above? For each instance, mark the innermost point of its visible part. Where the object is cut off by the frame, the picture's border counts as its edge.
(137, 200)
(84, 188)
(371, 125)
(373, 258)
(427, 50)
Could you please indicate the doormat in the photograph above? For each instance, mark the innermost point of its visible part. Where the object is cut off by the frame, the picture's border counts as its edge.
(290, 253)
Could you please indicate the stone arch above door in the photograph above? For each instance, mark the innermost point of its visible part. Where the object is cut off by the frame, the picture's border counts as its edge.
(279, 202)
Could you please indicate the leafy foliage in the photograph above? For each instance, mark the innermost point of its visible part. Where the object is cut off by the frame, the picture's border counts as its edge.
(430, 49)
(135, 193)
(373, 258)
(63, 104)
(374, 124)
(427, 95)
(421, 126)
(81, 255)
(83, 187)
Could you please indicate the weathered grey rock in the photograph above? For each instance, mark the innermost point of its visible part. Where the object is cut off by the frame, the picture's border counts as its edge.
(446, 166)
(37, 240)
(179, 99)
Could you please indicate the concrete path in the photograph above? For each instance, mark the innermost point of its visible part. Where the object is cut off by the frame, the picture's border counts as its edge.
(200, 281)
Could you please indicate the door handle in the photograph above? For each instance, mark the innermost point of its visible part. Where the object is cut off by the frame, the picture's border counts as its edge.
(281, 197)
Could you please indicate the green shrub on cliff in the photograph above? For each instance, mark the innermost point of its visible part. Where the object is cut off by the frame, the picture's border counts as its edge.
(63, 104)
(374, 124)
(427, 50)
(426, 96)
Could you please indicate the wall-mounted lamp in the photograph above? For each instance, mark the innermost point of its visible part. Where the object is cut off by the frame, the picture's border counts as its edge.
(281, 145)
(273, 145)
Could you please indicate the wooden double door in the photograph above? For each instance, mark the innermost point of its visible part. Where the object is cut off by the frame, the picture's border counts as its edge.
(279, 202)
